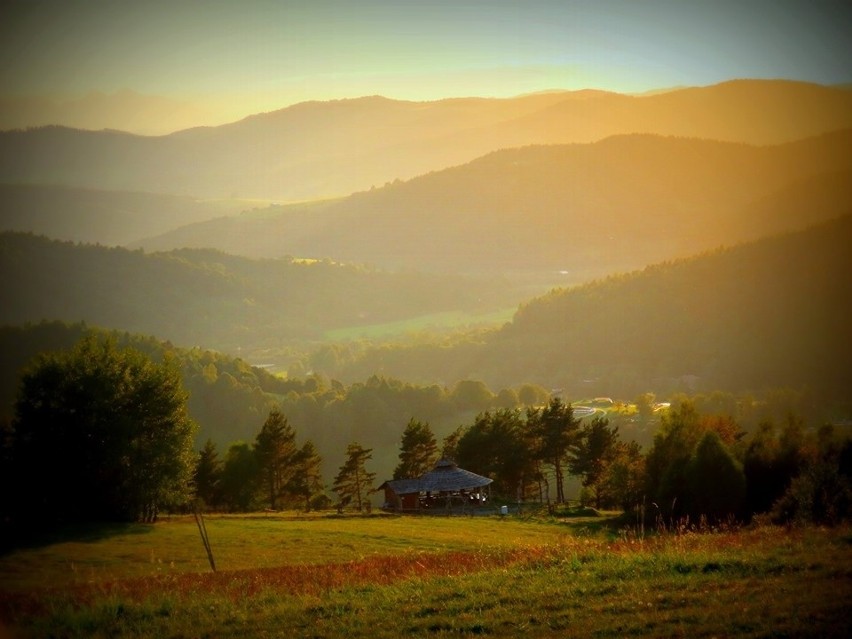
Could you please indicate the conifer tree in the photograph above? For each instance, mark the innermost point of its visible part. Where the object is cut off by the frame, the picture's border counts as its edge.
(275, 449)
(208, 475)
(418, 451)
(353, 481)
(240, 478)
(306, 483)
(594, 450)
(558, 432)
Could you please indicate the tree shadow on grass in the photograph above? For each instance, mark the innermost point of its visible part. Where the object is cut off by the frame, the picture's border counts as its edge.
(31, 537)
(609, 525)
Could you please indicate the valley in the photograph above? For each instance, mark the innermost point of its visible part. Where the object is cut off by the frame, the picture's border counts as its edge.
(382, 319)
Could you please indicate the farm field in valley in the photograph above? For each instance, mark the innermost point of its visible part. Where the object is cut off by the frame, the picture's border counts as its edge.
(382, 576)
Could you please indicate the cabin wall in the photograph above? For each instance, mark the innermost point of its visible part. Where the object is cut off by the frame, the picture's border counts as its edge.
(401, 502)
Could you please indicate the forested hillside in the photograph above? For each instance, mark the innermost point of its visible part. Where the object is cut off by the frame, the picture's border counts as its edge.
(319, 149)
(230, 399)
(208, 298)
(614, 205)
(773, 313)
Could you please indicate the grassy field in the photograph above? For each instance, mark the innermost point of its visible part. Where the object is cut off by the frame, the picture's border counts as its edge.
(394, 577)
(449, 320)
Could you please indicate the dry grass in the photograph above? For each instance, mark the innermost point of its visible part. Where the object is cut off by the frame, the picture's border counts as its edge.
(755, 583)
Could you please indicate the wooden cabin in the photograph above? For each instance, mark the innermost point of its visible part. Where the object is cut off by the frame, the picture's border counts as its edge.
(445, 487)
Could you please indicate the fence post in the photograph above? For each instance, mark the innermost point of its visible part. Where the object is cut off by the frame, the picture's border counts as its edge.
(202, 528)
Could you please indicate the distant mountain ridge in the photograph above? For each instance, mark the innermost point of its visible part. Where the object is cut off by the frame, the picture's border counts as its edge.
(323, 149)
(101, 217)
(602, 207)
(123, 110)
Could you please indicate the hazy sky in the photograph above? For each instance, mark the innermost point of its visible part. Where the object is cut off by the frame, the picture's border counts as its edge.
(258, 55)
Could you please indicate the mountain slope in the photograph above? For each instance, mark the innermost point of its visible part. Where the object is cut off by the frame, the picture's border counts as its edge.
(219, 301)
(616, 204)
(319, 149)
(756, 112)
(102, 217)
(770, 314)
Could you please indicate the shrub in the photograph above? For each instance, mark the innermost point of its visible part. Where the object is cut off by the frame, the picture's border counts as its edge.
(821, 494)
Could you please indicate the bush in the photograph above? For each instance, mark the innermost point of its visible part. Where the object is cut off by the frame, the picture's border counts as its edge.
(821, 494)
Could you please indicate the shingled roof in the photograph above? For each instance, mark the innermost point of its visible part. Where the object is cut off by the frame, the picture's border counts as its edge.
(445, 477)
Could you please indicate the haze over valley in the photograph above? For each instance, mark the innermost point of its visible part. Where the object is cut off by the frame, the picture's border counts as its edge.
(661, 211)
(446, 216)
(569, 281)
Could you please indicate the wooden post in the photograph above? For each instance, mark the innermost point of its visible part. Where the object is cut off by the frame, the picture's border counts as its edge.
(199, 519)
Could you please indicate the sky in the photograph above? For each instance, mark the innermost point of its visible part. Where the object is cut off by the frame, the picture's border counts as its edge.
(235, 58)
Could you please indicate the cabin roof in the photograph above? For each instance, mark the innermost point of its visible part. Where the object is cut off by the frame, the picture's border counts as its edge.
(445, 477)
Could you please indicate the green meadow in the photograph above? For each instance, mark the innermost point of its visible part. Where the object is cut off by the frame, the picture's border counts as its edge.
(383, 576)
(434, 321)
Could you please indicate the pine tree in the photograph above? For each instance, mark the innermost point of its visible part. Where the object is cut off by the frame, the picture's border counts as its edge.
(450, 445)
(353, 481)
(240, 478)
(275, 449)
(418, 451)
(558, 431)
(208, 475)
(594, 450)
(306, 483)
(495, 446)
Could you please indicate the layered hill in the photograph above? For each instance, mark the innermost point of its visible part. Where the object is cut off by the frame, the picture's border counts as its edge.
(318, 149)
(596, 208)
(204, 297)
(769, 314)
(101, 217)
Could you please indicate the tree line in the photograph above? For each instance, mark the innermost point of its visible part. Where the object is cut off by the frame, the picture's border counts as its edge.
(102, 432)
(229, 399)
(700, 467)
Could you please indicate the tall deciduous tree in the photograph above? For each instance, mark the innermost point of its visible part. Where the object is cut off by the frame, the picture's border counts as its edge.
(102, 432)
(354, 482)
(275, 448)
(418, 451)
(472, 395)
(681, 429)
(623, 482)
